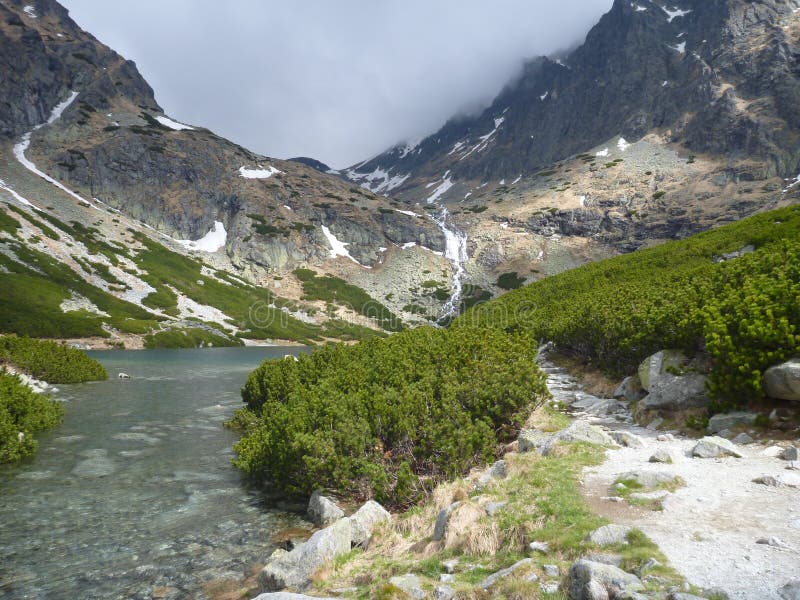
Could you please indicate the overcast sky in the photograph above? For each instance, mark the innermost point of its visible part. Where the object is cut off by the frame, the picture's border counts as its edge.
(337, 80)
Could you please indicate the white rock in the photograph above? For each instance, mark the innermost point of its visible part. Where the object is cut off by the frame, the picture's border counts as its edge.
(713, 447)
(609, 534)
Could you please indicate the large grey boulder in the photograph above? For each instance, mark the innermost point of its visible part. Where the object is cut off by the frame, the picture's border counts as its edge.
(630, 389)
(495, 577)
(715, 447)
(724, 421)
(608, 535)
(783, 381)
(322, 510)
(670, 387)
(294, 569)
(598, 581)
(532, 439)
(655, 366)
(363, 521)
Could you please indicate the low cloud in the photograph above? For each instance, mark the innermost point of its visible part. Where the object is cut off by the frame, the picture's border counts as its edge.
(338, 81)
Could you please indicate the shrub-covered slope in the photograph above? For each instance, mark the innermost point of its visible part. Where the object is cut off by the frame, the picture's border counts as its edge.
(22, 413)
(49, 361)
(385, 417)
(388, 418)
(743, 310)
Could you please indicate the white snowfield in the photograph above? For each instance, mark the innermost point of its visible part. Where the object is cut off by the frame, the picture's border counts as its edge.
(259, 173)
(167, 122)
(674, 13)
(445, 185)
(210, 242)
(339, 248)
(622, 144)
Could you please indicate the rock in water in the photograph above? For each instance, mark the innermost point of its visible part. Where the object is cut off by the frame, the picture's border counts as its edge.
(714, 447)
(322, 510)
(363, 521)
(294, 569)
(595, 581)
(783, 381)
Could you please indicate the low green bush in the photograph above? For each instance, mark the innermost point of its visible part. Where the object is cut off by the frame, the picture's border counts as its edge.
(50, 361)
(388, 418)
(23, 413)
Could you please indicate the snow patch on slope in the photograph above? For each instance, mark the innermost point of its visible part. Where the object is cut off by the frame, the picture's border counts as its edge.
(258, 173)
(174, 125)
(440, 190)
(675, 13)
(339, 248)
(210, 242)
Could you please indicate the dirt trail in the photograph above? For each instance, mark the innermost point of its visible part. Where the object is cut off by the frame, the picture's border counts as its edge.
(709, 528)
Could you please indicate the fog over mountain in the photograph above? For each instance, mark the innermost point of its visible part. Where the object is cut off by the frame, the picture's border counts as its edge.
(338, 81)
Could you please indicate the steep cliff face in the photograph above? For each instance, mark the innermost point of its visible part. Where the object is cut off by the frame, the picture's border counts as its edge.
(708, 76)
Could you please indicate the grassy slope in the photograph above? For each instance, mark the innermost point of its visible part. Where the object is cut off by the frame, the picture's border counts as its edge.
(33, 287)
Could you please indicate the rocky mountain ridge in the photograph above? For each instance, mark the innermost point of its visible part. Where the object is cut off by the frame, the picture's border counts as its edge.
(669, 119)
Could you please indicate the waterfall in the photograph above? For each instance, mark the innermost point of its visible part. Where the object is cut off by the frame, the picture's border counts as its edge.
(455, 250)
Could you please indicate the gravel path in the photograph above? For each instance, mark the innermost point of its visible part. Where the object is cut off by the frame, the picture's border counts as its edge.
(708, 529)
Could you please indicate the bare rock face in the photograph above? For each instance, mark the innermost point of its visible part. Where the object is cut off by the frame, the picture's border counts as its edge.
(783, 381)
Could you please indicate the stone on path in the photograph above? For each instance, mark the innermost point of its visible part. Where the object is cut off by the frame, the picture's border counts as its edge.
(790, 591)
(714, 447)
(629, 440)
(661, 456)
(648, 479)
(742, 439)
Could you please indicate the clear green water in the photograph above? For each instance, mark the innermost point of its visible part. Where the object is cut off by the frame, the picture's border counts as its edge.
(135, 489)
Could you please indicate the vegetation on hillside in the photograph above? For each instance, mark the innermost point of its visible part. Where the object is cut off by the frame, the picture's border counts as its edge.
(50, 361)
(388, 418)
(337, 291)
(23, 413)
(743, 311)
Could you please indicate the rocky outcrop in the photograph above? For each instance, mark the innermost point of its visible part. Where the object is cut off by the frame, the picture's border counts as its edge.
(783, 381)
(671, 382)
